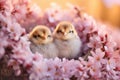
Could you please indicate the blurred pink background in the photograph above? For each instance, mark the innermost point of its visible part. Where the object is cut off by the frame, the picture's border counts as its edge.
(107, 11)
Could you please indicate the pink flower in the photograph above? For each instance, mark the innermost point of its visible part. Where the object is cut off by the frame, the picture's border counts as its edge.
(95, 62)
(111, 69)
(38, 70)
(67, 71)
(17, 18)
(98, 55)
(3, 43)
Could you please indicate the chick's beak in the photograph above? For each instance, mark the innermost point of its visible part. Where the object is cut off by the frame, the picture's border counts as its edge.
(64, 33)
(43, 37)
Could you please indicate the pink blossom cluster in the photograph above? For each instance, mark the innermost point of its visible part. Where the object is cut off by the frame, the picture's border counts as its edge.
(18, 17)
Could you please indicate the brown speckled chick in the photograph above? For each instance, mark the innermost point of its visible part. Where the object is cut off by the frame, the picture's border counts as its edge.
(67, 40)
(42, 42)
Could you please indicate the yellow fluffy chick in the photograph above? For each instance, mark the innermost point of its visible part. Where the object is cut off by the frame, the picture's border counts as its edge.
(42, 42)
(67, 40)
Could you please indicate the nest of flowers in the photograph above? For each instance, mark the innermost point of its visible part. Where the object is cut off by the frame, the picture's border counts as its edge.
(18, 17)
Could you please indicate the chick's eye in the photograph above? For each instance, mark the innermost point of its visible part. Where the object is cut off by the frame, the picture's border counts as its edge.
(71, 31)
(49, 35)
(34, 36)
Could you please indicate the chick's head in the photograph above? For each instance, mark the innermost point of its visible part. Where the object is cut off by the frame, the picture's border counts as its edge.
(65, 31)
(40, 35)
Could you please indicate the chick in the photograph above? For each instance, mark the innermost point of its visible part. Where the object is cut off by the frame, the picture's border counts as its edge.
(42, 42)
(67, 40)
